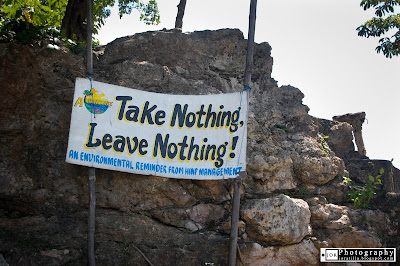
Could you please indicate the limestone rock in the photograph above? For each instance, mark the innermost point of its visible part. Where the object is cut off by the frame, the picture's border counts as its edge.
(116, 233)
(184, 62)
(278, 220)
(303, 253)
(203, 213)
(207, 190)
(140, 193)
(312, 166)
(330, 216)
(355, 239)
(193, 219)
(340, 136)
(275, 173)
(373, 221)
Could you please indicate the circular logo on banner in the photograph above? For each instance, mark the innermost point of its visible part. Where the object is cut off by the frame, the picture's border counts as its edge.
(95, 101)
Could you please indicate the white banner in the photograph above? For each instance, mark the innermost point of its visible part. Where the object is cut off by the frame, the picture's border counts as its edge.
(178, 136)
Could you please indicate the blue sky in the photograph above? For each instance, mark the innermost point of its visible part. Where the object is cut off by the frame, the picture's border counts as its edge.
(315, 48)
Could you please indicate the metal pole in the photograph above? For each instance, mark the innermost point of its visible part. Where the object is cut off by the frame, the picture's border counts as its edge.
(250, 44)
(92, 172)
(235, 219)
(237, 182)
(92, 215)
(89, 53)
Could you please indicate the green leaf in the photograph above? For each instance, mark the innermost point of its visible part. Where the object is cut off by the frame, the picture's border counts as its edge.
(381, 171)
(382, 24)
(18, 13)
(371, 178)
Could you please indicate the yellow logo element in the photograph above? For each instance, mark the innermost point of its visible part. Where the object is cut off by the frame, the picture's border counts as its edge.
(95, 101)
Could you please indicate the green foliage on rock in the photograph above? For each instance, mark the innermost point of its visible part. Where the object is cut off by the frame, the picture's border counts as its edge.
(324, 145)
(362, 195)
(385, 22)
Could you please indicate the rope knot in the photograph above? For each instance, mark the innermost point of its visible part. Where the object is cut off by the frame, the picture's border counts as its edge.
(247, 88)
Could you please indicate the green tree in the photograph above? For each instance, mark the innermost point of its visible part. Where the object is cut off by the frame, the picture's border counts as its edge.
(74, 23)
(31, 18)
(386, 22)
(28, 20)
(49, 12)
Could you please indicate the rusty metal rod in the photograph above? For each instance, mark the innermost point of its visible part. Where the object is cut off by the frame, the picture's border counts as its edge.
(92, 171)
(237, 182)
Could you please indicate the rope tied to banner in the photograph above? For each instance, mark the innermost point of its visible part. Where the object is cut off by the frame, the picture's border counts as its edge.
(90, 74)
(247, 88)
(92, 115)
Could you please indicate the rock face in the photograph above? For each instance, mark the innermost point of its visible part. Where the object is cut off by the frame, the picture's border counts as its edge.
(43, 200)
(280, 220)
(303, 253)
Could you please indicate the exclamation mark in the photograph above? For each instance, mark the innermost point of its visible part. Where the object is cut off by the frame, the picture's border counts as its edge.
(233, 147)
